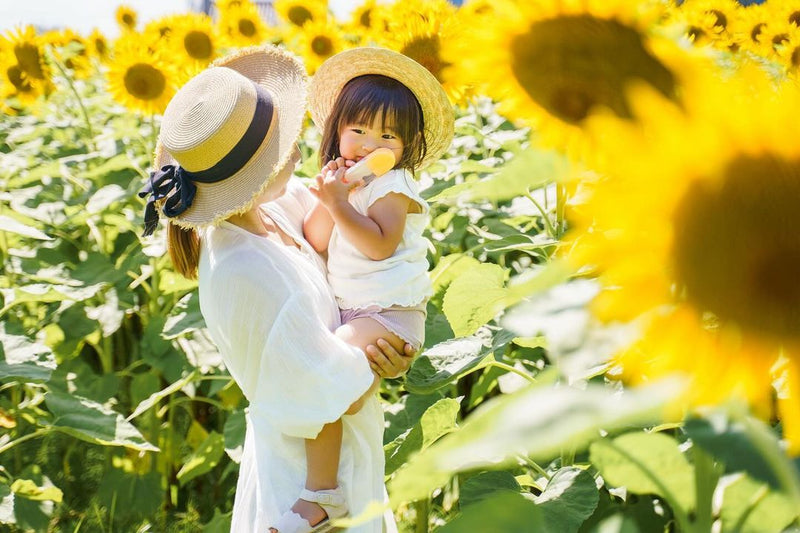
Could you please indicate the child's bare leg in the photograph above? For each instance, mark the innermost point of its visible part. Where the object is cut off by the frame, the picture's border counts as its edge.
(361, 332)
(322, 459)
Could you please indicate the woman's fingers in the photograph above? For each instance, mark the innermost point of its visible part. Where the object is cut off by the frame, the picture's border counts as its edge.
(387, 361)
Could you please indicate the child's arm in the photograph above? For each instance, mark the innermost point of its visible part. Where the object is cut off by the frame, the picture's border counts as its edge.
(378, 234)
(318, 224)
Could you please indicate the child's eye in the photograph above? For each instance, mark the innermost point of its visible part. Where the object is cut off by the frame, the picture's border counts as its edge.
(356, 130)
(389, 136)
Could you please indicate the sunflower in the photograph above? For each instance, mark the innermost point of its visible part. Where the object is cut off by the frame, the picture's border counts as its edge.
(710, 21)
(98, 45)
(241, 25)
(317, 41)
(694, 234)
(192, 37)
(300, 12)
(71, 50)
(368, 23)
(553, 63)
(27, 73)
(420, 30)
(15, 85)
(139, 77)
(126, 18)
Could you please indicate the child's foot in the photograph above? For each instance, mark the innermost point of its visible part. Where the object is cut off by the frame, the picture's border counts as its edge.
(310, 511)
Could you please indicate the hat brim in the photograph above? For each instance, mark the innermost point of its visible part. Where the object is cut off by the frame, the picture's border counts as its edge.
(284, 77)
(336, 71)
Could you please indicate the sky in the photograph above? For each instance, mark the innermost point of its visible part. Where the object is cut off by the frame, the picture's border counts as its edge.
(84, 15)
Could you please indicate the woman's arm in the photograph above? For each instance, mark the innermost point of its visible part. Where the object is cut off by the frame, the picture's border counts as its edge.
(317, 227)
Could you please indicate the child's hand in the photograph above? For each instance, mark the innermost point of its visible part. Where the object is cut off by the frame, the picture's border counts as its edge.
(330, 185)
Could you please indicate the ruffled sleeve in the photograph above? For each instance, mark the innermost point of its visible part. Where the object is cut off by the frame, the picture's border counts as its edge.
(397, 181)
(276, 340)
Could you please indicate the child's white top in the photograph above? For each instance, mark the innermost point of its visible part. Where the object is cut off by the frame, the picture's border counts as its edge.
(271, 314)
(401, 279)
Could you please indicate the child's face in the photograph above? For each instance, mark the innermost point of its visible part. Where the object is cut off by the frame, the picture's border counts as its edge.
(359, 140)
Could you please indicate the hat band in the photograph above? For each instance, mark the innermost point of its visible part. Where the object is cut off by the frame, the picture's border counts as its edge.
(175, 185)
(247, 146)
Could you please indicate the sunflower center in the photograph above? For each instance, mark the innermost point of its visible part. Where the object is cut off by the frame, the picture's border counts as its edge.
(756, 31)
(719, 18)
(100, 46)
(128, 20)
(795, 59)
(198, 45)
(247, 27)
(365, 20)
(794, 18)
(145, 82)
(572, 63)
(299, 15)
(780, 40)
(737, 252)
(16, 77)
(322, 46)
(425, 50)
(29, 60)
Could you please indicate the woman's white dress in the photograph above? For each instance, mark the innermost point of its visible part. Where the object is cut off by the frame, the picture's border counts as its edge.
(271, 313)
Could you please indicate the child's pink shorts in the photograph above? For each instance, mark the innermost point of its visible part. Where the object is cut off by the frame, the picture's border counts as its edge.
(408, 323)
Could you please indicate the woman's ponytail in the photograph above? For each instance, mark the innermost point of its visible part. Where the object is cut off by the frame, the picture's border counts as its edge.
(183, 246)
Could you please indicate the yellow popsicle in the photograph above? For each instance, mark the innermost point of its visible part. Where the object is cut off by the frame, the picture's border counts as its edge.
(375, 164)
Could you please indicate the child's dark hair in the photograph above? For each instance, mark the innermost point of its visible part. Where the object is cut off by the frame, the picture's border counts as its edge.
(360, 101)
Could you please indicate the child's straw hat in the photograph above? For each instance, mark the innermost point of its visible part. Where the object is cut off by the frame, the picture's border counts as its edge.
(224, 137)
(336, 71)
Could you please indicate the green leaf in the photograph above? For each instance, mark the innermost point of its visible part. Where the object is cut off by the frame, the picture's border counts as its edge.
(154, 398)
(406, 412)
(24, 358)
(486, 484)
(219, 523)
(569, 498)
(104, 197)
(235, 427)
(92, 422)
(130, 494)
(6, 505)
(449, 268)
(537, 421)
(505, 512)
(528, 170)
(729, 442)
(478, 295)
(475, 297)
(184, 317)
(749, 506)
(11, 225)
(450, 360)
(203, 459)
(27, 488)
(646, 463)
(171, 282)
(617, 523)
(438, 420)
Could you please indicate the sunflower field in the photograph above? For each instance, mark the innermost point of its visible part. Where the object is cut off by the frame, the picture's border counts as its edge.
(614, 341)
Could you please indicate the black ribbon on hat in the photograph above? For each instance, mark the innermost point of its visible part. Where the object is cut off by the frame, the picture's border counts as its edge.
(175, 185)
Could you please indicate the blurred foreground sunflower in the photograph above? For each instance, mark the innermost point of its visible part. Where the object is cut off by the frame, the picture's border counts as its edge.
(139, 77)
(553, 63)
(693, 231)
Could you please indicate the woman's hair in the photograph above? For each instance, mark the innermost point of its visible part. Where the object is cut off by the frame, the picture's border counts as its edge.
(361, 100)
(183, 246)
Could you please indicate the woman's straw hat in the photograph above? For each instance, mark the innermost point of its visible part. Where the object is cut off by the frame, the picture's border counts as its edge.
(336, 71)
(225, 135)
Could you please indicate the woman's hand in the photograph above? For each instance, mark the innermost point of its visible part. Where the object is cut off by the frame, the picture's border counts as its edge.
(388, 362)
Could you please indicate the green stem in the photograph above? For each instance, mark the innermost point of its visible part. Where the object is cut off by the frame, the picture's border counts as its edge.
(29, 436)
(561, 203)
(89, 129)
(509, 368)
(706, 476)
(545, 215)
(423, 508)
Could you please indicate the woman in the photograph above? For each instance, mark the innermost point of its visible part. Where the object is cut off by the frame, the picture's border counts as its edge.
(226, 153)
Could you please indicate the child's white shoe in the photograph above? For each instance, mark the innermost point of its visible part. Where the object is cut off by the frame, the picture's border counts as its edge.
(332, 502)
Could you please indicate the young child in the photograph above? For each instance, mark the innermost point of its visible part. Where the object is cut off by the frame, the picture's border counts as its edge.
(364, 99)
